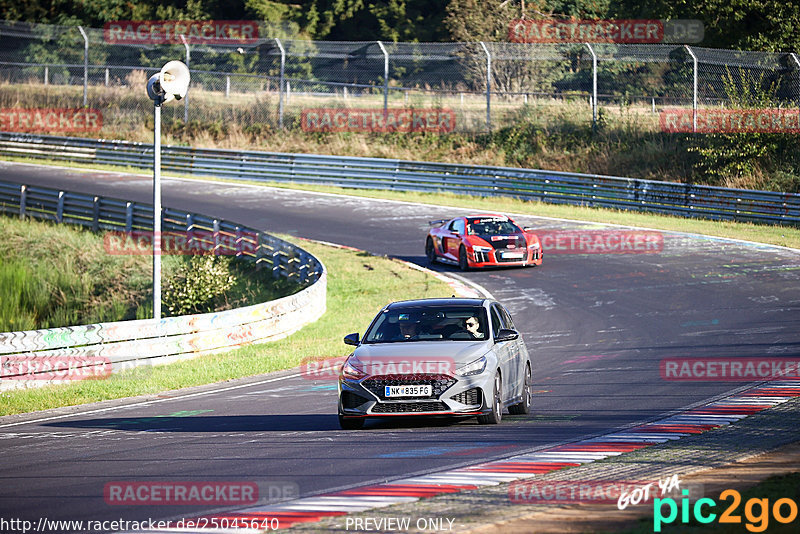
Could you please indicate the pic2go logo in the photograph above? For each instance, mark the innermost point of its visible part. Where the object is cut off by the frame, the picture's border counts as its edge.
(757, 522)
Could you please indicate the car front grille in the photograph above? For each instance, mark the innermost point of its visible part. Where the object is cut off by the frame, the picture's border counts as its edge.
(409, 407)
(501, 259)
(439, 383)
(351, 400)
(469, 397)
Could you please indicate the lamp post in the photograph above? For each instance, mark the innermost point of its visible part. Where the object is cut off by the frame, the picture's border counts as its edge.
(169, 84)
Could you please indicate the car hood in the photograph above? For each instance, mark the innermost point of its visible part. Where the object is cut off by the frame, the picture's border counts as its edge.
(403, 352)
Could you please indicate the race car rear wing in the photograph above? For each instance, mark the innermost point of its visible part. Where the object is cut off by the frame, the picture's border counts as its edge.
(438, 222)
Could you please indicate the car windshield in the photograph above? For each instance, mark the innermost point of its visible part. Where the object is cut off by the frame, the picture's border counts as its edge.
(440, 323)
(492, 227)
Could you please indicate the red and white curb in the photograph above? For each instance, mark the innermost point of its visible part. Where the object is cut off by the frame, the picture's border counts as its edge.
(339, 503)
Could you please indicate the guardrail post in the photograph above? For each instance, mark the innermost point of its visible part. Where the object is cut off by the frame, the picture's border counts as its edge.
(96, 214)
(60, 208)
(85, 66)
(385, 81)
(280, 83)
(694, 89)
(215, 230)
(23, 200)
(128, 216)
(594, 86)
(238, 230)
(488, 87)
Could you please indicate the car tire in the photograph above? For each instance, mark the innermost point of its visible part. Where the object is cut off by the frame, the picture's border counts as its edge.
(430, 252)
(463, 263)
(524, 407)
(351, 423)
(496, 415)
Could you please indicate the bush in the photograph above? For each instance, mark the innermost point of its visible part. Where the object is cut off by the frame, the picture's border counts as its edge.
(194, 285)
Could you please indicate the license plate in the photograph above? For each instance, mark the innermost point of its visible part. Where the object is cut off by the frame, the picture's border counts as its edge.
(408, 391)
(514, 255)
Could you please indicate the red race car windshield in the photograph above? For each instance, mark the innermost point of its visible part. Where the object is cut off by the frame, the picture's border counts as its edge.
(489, 226)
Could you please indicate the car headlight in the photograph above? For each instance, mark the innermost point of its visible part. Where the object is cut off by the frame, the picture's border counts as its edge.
(351, 369)
(473, 368)
(478, 248)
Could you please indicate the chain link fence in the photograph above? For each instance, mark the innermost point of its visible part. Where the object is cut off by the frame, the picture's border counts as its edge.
(271, 83)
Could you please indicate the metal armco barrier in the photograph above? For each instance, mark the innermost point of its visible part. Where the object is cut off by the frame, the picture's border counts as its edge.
(591, 190)
(125, 344)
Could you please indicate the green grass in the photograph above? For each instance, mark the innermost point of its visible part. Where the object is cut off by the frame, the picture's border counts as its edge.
(773, 489)
(358, 286)
(61, 275)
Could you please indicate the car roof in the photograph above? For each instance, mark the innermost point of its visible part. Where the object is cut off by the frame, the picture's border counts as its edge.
(436, 302)
(487, 216)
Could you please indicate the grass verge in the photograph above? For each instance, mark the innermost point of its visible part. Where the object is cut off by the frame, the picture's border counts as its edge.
(787, 236)
(358, 286)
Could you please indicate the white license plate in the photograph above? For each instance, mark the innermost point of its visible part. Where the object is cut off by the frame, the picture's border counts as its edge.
(514, 255)
(408, 391)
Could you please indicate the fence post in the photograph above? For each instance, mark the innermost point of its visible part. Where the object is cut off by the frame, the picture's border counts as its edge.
(488, 87)
(594, 86)
(46, 74)
(186, 97)
(280, 84)
(385, 81)
(227, 86)
(85, 66)
(694, 89)
(797, 62)
(107, 76)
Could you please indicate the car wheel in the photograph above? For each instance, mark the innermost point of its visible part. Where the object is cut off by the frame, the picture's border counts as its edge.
(463, 264)
(430, 252)
(496, 415)
(524, 407)
(351, 423)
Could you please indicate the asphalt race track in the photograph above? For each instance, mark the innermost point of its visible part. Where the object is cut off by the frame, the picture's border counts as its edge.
(597, 326)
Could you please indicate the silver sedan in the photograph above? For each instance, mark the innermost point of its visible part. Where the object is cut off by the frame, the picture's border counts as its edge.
(437, 357)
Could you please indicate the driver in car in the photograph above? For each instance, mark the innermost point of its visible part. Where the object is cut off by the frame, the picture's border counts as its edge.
(473, 326)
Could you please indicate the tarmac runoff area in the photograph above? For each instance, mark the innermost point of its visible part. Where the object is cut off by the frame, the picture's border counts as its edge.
(737, 455)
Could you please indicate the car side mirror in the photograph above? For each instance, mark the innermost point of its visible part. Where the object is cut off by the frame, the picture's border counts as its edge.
(351, 339)
(506, 334)
(528, 230)
(454, 232)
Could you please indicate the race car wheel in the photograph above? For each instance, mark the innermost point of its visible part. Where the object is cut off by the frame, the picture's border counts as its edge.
(350, 423)
(524, 407)
(496, 415)
(463, 264)
(430, 252)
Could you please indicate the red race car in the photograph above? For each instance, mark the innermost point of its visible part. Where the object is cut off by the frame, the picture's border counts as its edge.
(482, 241)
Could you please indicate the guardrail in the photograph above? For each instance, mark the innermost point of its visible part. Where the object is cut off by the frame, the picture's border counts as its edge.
(591, 190)
(60, 354)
